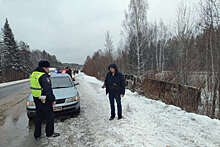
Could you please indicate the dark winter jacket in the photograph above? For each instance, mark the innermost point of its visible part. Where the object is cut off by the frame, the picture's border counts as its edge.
(69, 72)
(46, 85)
(115, 83)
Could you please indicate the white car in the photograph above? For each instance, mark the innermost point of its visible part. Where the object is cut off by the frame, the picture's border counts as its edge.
(66, 94)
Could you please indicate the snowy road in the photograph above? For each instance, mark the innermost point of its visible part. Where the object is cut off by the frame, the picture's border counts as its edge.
(14, 125)
(147, 123)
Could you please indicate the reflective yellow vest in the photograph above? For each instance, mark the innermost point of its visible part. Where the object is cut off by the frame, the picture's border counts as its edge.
(35, 85)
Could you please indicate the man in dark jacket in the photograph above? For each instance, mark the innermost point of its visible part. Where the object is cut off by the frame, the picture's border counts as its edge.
(69, 71)
(44, 99)
(115, 86)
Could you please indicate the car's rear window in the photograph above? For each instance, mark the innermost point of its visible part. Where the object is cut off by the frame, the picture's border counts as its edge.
(61, 82)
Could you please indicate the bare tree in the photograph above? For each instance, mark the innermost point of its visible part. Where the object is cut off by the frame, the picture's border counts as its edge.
(185, 30)
(135, 25)
(164, 36)
(109, 47)
(155, 41)
(209, 22)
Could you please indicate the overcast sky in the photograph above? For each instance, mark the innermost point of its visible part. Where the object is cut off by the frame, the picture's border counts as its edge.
(73, 29)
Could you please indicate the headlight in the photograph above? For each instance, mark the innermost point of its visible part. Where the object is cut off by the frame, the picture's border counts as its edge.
(76, 98)
(72, 99)
(30, 103)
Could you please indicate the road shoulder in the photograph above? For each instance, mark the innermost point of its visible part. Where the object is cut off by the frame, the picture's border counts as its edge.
(3, 85)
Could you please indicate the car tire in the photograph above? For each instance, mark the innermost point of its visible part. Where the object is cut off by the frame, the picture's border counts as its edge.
(77, 111)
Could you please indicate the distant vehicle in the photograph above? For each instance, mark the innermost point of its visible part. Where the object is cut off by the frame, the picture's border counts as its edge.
(67, 96)
(63, 71)
(68, 72)
(52, 70)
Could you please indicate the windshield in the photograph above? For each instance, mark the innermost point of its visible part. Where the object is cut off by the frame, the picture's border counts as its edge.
(61, 82)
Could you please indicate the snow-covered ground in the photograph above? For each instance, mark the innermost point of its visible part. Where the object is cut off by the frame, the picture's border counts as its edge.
(146, 123)
(13, 83)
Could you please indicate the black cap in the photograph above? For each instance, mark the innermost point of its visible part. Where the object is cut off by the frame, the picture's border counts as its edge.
(44, 63)
(113, 66)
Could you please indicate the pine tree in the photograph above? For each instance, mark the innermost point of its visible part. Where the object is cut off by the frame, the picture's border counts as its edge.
(24, 55)
(2, 61)
(11, 52)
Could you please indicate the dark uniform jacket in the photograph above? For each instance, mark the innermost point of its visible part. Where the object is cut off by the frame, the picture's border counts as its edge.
(115, 83)
(46, 85)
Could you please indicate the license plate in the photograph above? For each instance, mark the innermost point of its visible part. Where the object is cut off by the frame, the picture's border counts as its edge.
(57, 109)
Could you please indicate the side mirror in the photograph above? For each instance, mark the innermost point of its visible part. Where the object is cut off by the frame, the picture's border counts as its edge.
(76, 84)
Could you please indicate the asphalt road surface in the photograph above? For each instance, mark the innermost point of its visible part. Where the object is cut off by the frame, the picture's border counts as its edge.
(17, 131)
(12, 90)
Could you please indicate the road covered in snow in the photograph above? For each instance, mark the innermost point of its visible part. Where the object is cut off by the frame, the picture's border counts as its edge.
(146, 123)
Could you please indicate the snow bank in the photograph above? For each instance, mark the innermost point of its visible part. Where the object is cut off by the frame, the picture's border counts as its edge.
(13, 83)
(153, 123)
(90, 79)
(146, 123)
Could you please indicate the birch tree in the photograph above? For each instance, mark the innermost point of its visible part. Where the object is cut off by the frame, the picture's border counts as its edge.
(209, 22)
(134, 26)
(161, 37)
(109, 47)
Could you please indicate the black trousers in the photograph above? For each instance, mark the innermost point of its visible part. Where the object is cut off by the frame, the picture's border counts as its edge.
(43, 112)
(112, 97)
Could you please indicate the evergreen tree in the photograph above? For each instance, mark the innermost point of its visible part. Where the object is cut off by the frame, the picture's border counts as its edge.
(11, 53)
(2, 59)
(24, 55)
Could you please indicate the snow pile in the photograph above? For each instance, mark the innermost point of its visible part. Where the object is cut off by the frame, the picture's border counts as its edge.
(13, 83)
(90, 79)
(146, 122)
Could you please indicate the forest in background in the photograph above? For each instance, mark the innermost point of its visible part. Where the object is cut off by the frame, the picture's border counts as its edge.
(16, 59)
(186, 52)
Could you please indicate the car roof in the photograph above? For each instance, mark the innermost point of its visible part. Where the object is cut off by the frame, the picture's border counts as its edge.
(53, 75)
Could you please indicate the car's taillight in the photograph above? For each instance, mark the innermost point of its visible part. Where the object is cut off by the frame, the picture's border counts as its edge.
(28, 103)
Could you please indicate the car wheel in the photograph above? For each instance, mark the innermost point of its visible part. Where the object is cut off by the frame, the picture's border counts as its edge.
(78, 111)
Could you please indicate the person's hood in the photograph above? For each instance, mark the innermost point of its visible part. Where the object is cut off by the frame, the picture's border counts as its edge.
(40, 69)
(113, 66)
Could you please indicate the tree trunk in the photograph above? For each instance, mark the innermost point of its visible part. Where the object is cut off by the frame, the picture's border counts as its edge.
(219, 101)
(156, 58)
(138, 44)
(214, 101)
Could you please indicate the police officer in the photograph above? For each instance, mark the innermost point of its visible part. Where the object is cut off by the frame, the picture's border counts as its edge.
(44, 99)
(115, 86)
